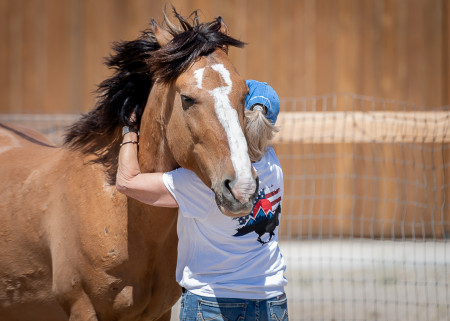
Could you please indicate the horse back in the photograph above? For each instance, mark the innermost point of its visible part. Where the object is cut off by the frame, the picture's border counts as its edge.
(9, 131)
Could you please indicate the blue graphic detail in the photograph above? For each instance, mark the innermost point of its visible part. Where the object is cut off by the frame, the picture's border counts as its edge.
(262, 219)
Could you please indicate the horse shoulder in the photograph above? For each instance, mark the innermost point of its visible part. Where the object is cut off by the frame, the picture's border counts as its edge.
(121, 246)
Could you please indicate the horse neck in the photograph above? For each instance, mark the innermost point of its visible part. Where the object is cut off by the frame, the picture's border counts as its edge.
(157, 225)
(154, 154)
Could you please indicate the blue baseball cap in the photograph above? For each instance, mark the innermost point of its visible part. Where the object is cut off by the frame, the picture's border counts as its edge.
(262, 93)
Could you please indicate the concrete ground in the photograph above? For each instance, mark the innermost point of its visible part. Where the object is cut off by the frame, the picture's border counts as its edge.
(366, 280)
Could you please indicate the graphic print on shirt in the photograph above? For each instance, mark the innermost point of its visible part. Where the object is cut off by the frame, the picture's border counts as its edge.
(263, 218)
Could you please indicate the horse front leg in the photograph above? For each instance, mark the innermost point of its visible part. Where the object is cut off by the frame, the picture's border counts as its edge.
(82, 309)
(166, 316)
(71, 295)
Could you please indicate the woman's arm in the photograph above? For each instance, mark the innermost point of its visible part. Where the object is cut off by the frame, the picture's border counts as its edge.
(148, 188)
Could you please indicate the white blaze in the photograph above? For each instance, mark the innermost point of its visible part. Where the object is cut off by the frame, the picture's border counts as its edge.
(228, 117)
(198, 74)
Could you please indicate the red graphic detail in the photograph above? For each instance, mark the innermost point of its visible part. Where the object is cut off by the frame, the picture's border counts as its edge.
(276, 201)
(273, 193)
(265, 204)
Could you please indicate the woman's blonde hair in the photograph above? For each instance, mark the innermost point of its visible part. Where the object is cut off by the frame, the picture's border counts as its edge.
(259, 133)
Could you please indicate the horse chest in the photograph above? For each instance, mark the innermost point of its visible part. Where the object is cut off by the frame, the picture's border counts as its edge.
(137, 266)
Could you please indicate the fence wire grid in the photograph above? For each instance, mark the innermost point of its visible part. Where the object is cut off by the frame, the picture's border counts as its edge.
(366, 216)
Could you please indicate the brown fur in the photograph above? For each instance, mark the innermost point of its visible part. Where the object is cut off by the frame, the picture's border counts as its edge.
(73, 245)
(73, 248)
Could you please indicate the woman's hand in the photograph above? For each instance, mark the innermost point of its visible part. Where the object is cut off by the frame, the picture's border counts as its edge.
(148, 188)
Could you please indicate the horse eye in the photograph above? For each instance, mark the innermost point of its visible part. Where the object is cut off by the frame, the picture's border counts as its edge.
(186, 102)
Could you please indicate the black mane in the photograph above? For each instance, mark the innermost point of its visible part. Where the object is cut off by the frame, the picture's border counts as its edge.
(137, 64)
(189, 43)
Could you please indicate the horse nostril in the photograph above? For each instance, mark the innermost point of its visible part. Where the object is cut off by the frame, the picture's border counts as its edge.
(226, 184)
(241, 193)
(228, 189)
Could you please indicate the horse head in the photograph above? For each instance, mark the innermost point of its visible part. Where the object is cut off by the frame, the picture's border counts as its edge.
(201, 114)
(189, 102)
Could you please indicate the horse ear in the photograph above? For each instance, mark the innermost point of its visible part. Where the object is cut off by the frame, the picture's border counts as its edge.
(162, 36)
(223, 26)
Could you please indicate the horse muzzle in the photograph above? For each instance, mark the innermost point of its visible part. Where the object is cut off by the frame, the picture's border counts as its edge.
(235, 198)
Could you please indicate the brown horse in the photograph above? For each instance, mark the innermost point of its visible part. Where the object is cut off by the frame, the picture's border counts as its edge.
(74, 248)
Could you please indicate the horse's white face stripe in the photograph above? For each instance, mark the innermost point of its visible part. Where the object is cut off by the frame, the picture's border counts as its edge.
(198, 74)
(229, 119)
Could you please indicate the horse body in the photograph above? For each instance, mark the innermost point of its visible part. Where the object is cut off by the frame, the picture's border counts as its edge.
(72, 246)
(61, 247)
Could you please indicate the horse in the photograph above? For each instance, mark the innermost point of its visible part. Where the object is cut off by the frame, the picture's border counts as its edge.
(73, 248)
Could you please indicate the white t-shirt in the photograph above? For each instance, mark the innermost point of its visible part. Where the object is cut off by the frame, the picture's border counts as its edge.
(223, 256)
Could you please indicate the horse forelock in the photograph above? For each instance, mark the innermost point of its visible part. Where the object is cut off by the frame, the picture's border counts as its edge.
(137, 64)
(190, 41)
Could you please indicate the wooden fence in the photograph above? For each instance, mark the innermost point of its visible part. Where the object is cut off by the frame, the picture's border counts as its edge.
(51, 51)
(51, 57)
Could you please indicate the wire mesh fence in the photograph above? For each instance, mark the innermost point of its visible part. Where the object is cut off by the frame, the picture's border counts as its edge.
(365, 211)
(365, 218)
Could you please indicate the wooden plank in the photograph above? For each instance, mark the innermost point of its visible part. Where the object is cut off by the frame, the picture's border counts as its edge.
(446, 52)
(298, 76)
(346, 51)
(5, 58)
(364, 127)
(326, 46)
(58, 80)
(76, 59)
(277, 39)
(309, 43)
(416, 64)
(27, 56)
(388, 42)
(258, 37)
(401, 64)
(97, 40)
(433, 54)
(15, 63)
(238, 29)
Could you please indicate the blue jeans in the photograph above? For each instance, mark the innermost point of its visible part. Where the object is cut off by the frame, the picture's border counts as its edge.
(200, 308)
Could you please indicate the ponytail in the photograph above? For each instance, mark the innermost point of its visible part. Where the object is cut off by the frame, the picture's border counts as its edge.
(259, 133)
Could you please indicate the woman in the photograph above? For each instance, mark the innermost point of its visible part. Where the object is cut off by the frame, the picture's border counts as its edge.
(227, 266)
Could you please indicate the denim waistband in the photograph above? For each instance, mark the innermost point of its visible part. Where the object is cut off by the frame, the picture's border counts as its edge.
(279, 297)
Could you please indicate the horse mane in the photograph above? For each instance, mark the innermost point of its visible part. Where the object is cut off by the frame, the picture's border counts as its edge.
(136, 65)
